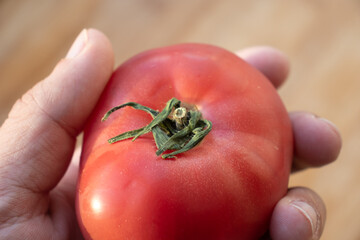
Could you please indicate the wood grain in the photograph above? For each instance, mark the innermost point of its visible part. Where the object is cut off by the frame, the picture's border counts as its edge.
(320, 37)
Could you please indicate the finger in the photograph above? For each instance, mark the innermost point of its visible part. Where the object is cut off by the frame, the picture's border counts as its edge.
(271, 62)
(68, 183)
(38, 138)
(316, 141)
(63, 198)
(299, 215)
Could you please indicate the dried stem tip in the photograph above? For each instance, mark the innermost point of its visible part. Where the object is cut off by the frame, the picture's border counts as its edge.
(180, 117)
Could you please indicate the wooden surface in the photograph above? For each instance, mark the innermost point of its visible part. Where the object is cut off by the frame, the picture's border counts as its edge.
(322, 39)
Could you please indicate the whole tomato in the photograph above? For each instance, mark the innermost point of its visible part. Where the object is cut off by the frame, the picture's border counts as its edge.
(224, 188)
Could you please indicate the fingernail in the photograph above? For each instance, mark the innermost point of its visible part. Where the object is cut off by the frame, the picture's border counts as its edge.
(78, 45)
(309, 213)
(331, 124)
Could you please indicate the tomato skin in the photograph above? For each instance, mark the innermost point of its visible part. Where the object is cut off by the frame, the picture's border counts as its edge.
(224, 188)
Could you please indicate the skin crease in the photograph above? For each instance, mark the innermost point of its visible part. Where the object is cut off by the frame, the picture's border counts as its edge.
(37, 199)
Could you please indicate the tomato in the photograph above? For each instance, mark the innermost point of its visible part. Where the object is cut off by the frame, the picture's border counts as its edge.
(224, 188)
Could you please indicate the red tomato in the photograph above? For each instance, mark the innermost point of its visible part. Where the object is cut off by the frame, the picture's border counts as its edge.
(224, 188)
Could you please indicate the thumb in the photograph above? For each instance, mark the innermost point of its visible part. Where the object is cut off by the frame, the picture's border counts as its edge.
(38, 138)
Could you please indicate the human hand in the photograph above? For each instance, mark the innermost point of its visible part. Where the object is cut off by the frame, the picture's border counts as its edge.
(38, 139)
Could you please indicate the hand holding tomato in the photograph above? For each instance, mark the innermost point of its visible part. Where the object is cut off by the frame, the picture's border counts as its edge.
(38, 138)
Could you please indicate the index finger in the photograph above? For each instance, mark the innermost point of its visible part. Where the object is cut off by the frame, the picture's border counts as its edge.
(269, 61)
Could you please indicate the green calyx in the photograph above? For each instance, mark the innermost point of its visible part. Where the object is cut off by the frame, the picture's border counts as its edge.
(176, 127)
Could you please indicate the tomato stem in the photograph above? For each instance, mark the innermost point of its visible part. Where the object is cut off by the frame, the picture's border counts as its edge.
(177, 127)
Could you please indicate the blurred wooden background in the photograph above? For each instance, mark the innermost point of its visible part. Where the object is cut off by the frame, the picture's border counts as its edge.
(322, 39)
